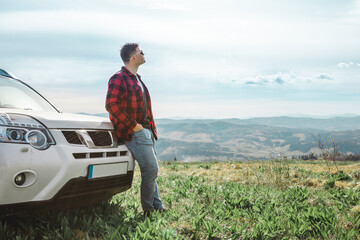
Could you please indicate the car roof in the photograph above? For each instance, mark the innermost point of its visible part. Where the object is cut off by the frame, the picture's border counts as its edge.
(6, 74)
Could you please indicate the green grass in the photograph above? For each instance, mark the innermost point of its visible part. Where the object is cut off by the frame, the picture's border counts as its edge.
(266, 200)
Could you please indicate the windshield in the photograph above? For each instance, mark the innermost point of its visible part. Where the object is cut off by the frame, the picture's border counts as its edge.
(15, 94)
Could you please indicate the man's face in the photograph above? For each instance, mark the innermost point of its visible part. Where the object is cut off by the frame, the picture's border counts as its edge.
(138, 56)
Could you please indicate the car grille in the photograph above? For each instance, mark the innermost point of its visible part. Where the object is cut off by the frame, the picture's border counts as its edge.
(72, 137)
(98, 138)
(84, 155)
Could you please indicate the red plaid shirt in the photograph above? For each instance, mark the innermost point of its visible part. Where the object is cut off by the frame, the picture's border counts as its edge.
(124, 102)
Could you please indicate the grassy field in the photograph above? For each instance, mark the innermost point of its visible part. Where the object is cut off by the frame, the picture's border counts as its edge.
(278, 199)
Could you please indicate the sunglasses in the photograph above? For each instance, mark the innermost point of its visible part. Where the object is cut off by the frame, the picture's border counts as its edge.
(141, 52)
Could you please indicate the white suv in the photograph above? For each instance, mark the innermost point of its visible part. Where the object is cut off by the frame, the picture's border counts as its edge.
(50, 159)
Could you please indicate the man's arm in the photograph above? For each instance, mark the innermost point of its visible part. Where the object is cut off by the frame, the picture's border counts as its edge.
(115, 95)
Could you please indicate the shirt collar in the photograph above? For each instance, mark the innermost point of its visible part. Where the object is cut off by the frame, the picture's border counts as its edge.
(129, 73)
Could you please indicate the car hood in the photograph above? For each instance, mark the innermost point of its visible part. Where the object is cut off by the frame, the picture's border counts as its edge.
(54, 120)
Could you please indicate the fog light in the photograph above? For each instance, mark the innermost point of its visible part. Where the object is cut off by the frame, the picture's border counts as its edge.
(36, 139)
(20, 179)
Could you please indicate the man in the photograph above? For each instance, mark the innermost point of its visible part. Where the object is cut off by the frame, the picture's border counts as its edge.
(129, 106)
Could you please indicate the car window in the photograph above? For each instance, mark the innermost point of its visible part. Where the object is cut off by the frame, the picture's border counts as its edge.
(14, 94)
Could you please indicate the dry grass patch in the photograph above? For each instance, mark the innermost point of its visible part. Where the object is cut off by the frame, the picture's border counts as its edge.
(279, 173)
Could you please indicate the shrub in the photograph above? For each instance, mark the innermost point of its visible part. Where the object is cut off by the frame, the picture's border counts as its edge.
(329, 184)
(341, 176)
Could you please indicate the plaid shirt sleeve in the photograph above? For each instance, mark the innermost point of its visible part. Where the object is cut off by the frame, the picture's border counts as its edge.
(117, 106)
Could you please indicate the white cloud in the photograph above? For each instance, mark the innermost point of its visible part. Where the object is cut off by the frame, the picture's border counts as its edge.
(353, 15)
(203, 27)
(324, 76)
(253, 108)
(166, 5)
(356, 10)
(61, 21)
(345, 65)
(294, 79)
(61, 72)
(140, 5)
(279, 78)
(274, 45)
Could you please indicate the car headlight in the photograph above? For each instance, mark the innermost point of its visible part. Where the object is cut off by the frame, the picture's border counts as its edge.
(17, 128)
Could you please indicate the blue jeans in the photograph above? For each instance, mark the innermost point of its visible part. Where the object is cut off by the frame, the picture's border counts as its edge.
(142, 147)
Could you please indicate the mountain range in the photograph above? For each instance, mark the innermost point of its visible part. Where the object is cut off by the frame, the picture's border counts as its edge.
(254, 138)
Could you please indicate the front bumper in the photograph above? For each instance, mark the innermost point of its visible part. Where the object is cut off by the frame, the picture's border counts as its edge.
(58, 176)
(78, 192)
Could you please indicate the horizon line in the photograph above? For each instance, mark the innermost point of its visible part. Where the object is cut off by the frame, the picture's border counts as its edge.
(250, 117)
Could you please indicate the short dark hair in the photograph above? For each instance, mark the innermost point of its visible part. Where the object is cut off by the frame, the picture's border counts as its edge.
(127, 50)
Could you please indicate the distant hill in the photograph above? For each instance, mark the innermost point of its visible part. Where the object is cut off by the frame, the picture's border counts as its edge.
(254, 138)
(257, 138)
(329, 124)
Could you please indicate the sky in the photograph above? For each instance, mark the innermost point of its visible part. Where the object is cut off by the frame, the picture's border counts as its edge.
(204, 58)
